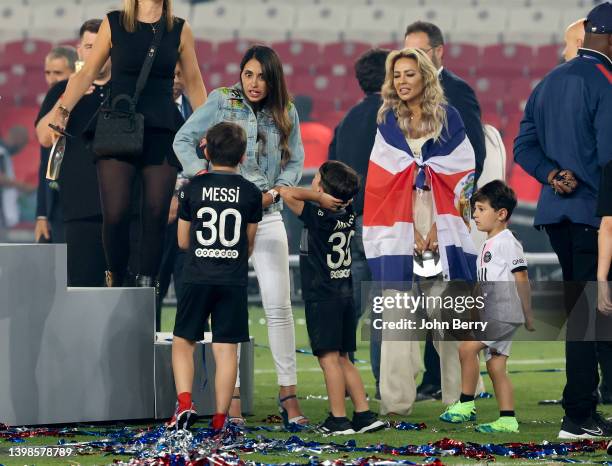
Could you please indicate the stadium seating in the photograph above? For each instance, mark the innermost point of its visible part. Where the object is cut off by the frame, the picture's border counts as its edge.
(501, 47)
(536, 25)
(100, 8)
(29, 53)
(481, 25)
(376, 22)
(217, 21)
(14, 21)
(545, 58)
(505, 60)
(268, 22)
(462, 58)
(301, 55)
(56, 22)
(321, 23)
(444, 17)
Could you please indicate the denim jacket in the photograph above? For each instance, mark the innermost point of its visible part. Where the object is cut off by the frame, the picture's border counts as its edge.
(263, 162)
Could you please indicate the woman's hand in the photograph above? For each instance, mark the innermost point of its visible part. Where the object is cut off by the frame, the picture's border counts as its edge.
(431, 242)
(329, 202)
(419, 243)
(604, 297)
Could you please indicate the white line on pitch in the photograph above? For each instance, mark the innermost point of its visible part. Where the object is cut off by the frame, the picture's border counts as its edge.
(511, 362)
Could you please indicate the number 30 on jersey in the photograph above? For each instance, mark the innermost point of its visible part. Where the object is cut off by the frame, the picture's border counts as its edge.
(341, 248)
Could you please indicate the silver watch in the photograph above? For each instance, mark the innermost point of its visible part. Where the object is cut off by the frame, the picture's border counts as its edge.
(275, 195)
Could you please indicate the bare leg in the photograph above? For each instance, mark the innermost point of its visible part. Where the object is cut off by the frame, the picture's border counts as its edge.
(235, 409)
(334, 381)
(496, 366)
(470, 365)
(182, 364)
(354, 384)
(225, 377)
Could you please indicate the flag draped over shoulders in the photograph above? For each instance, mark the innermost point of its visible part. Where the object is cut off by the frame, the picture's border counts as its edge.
(388, 235)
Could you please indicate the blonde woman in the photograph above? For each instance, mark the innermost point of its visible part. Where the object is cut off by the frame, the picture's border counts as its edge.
(417, 194)
(125, 37)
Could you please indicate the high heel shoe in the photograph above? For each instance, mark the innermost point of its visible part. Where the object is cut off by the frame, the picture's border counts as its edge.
(238, 421)
(146, 281)
(113, 279)
(301, 421)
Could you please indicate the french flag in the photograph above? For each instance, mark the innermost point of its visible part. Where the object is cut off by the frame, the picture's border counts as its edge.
(448, 164)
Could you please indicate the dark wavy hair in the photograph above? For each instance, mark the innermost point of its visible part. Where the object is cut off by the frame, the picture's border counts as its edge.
(278, 98)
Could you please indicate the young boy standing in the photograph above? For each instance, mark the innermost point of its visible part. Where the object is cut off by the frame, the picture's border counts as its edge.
(325, 266)
(218, 216)
(502, 269)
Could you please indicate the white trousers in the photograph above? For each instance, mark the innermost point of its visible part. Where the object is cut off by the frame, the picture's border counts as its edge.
(271, 262)
(400, 363)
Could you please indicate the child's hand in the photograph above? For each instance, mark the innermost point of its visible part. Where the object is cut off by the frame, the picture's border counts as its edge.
(329, 202)
(529, 325)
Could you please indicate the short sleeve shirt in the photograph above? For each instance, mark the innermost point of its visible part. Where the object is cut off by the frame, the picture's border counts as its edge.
(219, 206)
(325, 253)
(500, 257)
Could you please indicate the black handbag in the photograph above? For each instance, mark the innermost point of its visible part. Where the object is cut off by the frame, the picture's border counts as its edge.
(120, 131)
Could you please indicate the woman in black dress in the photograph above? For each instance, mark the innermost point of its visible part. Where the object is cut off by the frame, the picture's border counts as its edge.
(125, 36)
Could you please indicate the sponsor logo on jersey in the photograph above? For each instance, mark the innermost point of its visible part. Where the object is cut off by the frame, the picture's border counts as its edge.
(344, 273)
(217, 253)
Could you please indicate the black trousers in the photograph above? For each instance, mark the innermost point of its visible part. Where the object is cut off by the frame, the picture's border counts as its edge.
(576, 248)
(86, 262)
(431, 361)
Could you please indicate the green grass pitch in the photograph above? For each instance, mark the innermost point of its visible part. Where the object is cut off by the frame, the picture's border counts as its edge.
(537, 423)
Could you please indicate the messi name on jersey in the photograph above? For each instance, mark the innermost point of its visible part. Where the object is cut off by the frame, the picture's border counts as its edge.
(217, 194)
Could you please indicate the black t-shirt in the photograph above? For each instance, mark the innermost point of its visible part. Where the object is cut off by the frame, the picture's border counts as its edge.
(219, 206)
(604, 203)
(325, 253)
(78, 180)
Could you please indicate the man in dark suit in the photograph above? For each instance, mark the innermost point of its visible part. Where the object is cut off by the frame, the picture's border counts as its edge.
(172, 256)
(352, 144)
(428, 37)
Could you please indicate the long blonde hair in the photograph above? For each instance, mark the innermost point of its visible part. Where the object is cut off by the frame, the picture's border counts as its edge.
(129, 14)
(433, 112)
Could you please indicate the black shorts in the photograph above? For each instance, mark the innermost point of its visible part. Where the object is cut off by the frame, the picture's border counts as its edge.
(331, 325)
(156, 149)
(227, 304)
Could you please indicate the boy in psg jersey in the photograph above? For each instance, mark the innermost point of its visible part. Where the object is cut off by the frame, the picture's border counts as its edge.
(218, 216)
(325, 266)
(502, 273)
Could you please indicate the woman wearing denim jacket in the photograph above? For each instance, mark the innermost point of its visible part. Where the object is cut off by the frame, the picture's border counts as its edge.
(275, 157)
